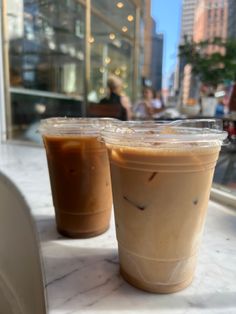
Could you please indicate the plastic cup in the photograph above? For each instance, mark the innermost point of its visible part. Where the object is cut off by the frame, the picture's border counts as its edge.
(79, 174)
(161, 179)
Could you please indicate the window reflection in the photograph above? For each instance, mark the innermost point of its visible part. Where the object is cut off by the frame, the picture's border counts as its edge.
(49, 63)
(111, 51)
(46, 62)
(48, 55)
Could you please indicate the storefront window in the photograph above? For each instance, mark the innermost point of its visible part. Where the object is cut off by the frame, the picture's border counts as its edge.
(49, 54)
(46, 60)
(51, 72)
(119, 13)
(112, 46)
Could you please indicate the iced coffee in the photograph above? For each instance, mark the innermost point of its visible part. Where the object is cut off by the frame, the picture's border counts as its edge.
(161, 180)
(79, 175)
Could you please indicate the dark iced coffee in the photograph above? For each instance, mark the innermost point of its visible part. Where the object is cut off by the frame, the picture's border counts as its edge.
(80, 178)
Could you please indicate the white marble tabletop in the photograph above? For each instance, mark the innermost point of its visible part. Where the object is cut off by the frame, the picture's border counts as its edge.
(82, 276)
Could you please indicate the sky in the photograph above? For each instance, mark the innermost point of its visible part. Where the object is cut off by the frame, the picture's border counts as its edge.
(167, 14)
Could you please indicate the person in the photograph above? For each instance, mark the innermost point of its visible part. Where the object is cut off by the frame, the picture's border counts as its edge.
(157, 104)
(219, 111)
(116, 97)
(143, 108)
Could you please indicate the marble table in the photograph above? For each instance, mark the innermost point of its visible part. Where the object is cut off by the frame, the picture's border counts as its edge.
(82, 276)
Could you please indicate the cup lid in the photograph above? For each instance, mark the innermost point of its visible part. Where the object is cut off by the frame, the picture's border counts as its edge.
(76, 126)
(150, 133)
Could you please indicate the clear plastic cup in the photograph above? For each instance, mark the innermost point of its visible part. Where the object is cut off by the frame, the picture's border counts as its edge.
(161, 179)
(79, 174)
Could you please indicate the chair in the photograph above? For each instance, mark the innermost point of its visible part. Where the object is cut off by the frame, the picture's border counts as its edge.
(104, 110)
(21, 280)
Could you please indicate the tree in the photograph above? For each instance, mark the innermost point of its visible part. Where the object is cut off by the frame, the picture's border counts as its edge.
(211, 68)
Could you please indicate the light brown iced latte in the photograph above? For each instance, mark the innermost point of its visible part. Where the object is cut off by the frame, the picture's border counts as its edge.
(160, 195)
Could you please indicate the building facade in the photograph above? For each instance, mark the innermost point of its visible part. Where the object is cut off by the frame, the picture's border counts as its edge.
(231, 19)
(147, 42)
(57, 56)
(211, 20)
(156, 59)
(187, 24)
(187, 19)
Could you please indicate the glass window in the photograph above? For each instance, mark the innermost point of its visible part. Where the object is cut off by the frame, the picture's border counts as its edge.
(119, 13)
(225, 173)
(222, 14)
(50, 52)
(112, 44)
(209, 14)
(46, 55)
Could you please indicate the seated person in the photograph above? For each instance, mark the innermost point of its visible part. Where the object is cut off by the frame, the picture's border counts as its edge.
(143, 108)
(116, 97)
(157, 104)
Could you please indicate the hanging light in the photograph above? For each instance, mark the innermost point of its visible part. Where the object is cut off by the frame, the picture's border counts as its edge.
(101, 70)
(120, 5)
(117, 71)
(112, 36)
(91, 40)
(124, 29)
(107, 60)
(101, 90)
(130, 18)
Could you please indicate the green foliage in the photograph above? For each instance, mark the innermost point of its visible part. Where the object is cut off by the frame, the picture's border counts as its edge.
(212, 68)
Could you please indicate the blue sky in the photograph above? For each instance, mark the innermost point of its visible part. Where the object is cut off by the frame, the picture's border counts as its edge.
(167, 14)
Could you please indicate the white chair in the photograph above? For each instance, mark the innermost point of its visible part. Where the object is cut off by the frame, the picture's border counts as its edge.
(21, 280)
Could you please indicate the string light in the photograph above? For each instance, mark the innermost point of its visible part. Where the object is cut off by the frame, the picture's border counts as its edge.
(91, 40)
(101, 90)
(107, 60)
(120, 5)
(130, 18)
(101, 70)
(112, 36)
(117, 72)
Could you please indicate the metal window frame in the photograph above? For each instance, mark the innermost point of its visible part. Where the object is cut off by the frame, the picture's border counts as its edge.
(2, 93)
(87, 55)
(6, 120)
(136, 52)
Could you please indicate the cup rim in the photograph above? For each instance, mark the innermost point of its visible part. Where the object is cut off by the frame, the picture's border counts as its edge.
(72, 125)
(151, 133)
